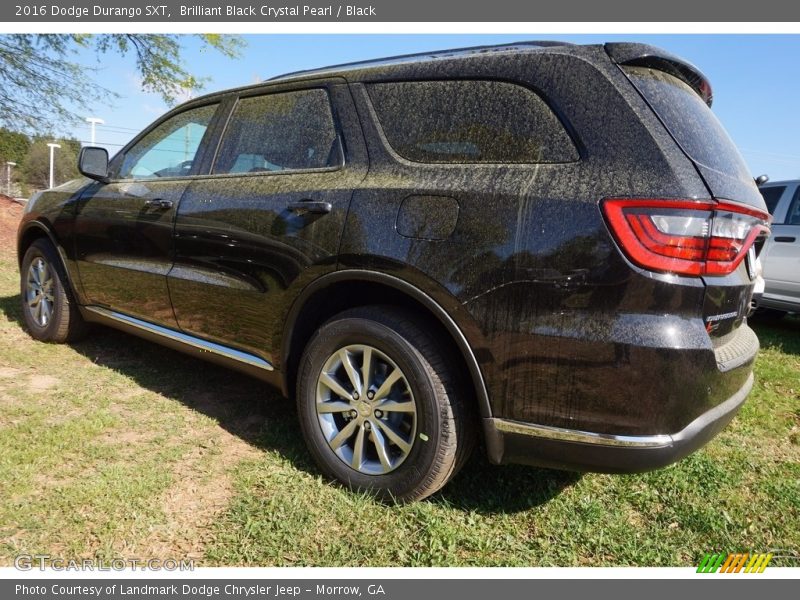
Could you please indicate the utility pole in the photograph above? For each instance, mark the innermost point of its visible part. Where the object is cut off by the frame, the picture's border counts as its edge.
(52, 147)
(94, 121)
(9, 164)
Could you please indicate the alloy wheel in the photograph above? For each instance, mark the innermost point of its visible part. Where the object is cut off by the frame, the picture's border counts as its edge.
(366, 409)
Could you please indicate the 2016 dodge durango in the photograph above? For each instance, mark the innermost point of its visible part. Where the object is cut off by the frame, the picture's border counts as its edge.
(545, 247)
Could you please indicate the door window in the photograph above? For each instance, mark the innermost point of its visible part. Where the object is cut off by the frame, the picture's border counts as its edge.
(793, 214)
(170, 149)
(772, 196)
(286, 131)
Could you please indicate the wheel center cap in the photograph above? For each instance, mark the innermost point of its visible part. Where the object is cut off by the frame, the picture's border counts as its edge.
(364, 409)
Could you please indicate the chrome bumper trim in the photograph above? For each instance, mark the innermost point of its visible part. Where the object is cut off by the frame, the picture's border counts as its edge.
(585, 437)
(183, 338)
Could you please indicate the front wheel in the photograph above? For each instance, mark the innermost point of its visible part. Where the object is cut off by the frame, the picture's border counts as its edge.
(48, 309)
(380, 407)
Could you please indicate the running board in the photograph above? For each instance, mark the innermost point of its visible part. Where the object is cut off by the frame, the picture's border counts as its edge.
(181, 338)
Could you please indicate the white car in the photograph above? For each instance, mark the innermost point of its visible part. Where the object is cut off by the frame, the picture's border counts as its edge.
(781, 254)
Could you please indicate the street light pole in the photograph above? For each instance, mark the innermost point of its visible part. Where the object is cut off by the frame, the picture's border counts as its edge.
(9, 164)
(52, 150)
(94, 121)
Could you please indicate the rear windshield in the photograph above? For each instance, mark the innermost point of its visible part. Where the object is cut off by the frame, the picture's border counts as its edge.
(689, 120)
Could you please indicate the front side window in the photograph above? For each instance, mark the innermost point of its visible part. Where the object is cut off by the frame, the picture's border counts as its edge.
(793, 214)
(772, 196)
(470, 122)
(287, 131)
(170, 149)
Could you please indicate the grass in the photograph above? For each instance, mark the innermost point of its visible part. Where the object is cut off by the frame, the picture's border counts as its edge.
(117, 447)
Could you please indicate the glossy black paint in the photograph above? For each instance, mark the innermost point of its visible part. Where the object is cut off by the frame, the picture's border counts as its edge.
(554, 325)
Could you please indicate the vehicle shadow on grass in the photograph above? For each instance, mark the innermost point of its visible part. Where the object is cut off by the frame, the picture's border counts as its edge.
(781, 334)
(254, 412)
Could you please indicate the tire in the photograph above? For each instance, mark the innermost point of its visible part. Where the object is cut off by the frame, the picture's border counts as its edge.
(48, 308)
(415, 453)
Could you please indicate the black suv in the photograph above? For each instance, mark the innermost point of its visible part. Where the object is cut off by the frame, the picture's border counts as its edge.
(550, 244)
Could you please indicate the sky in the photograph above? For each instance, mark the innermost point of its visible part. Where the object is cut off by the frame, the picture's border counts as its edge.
(754, 79)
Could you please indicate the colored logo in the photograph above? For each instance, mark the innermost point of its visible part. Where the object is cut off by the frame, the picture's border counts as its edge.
(742, 562)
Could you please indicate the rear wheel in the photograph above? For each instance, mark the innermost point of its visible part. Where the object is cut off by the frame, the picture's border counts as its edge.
(380, 407)
(48, 309)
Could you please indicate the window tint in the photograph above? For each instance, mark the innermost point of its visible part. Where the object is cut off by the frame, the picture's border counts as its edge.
(771, 196)
(793, 214)
(470, 122)
(690, 121)
(170, 149)
(279, 132)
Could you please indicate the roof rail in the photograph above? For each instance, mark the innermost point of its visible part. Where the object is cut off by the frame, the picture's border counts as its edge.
(431, 54)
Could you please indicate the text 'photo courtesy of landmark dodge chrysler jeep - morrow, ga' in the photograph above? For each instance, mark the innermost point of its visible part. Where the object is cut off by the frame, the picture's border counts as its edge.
(546, 247)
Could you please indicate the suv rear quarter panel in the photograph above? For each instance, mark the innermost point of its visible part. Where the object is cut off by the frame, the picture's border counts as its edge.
(546, 300)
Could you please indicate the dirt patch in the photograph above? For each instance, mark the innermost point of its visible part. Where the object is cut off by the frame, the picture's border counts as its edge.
(202, 490)
(10, 214)
(39, 383)
(9, 373)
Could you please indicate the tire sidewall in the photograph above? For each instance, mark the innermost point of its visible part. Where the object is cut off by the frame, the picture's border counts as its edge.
(336, 335)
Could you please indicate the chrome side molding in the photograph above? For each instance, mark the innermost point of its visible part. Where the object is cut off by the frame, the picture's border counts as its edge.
(585, 437)
(183, 338)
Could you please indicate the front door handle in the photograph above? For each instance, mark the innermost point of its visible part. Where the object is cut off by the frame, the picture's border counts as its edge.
(314, 207)
(783, 238)
(158, 203)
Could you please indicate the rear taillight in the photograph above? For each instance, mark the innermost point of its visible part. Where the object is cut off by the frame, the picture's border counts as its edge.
(684, 236)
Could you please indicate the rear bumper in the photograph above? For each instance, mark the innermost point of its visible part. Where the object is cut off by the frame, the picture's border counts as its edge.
(525, 443)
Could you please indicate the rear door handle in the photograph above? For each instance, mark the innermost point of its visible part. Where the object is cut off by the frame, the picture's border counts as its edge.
(315, 207)
(784, 238)
(158, 203)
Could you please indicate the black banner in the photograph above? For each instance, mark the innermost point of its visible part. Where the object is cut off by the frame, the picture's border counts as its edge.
(395, 11)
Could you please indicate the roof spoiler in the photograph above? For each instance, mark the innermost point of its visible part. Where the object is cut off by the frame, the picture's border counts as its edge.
(643, 55)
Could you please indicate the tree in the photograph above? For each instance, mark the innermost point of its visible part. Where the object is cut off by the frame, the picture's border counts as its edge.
(35, 170)
(42, 88)
(13, 146)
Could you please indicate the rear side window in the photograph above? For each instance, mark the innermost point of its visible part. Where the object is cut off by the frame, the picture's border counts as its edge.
(772, 196)
(287, 131)
(689, 120)
(470, 122)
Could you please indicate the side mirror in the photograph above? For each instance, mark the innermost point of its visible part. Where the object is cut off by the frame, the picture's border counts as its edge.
(762, 179)
(93, 162)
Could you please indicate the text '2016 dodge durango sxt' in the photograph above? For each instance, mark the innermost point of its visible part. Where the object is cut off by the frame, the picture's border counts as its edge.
(545, 247)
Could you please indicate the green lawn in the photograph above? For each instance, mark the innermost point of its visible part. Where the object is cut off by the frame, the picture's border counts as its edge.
(118, 447)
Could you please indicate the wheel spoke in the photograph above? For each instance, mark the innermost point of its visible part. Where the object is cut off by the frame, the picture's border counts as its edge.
(394, 437)
(386, 386)
(366, 369)
(45, 312)
(352, 374)
(37, 314)
(393, 406)
(40, 271)
(334, 385)
(358, 450)
(45, 273)
(333, 406)
(343, 435)
(34, 301)
(380, 447)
